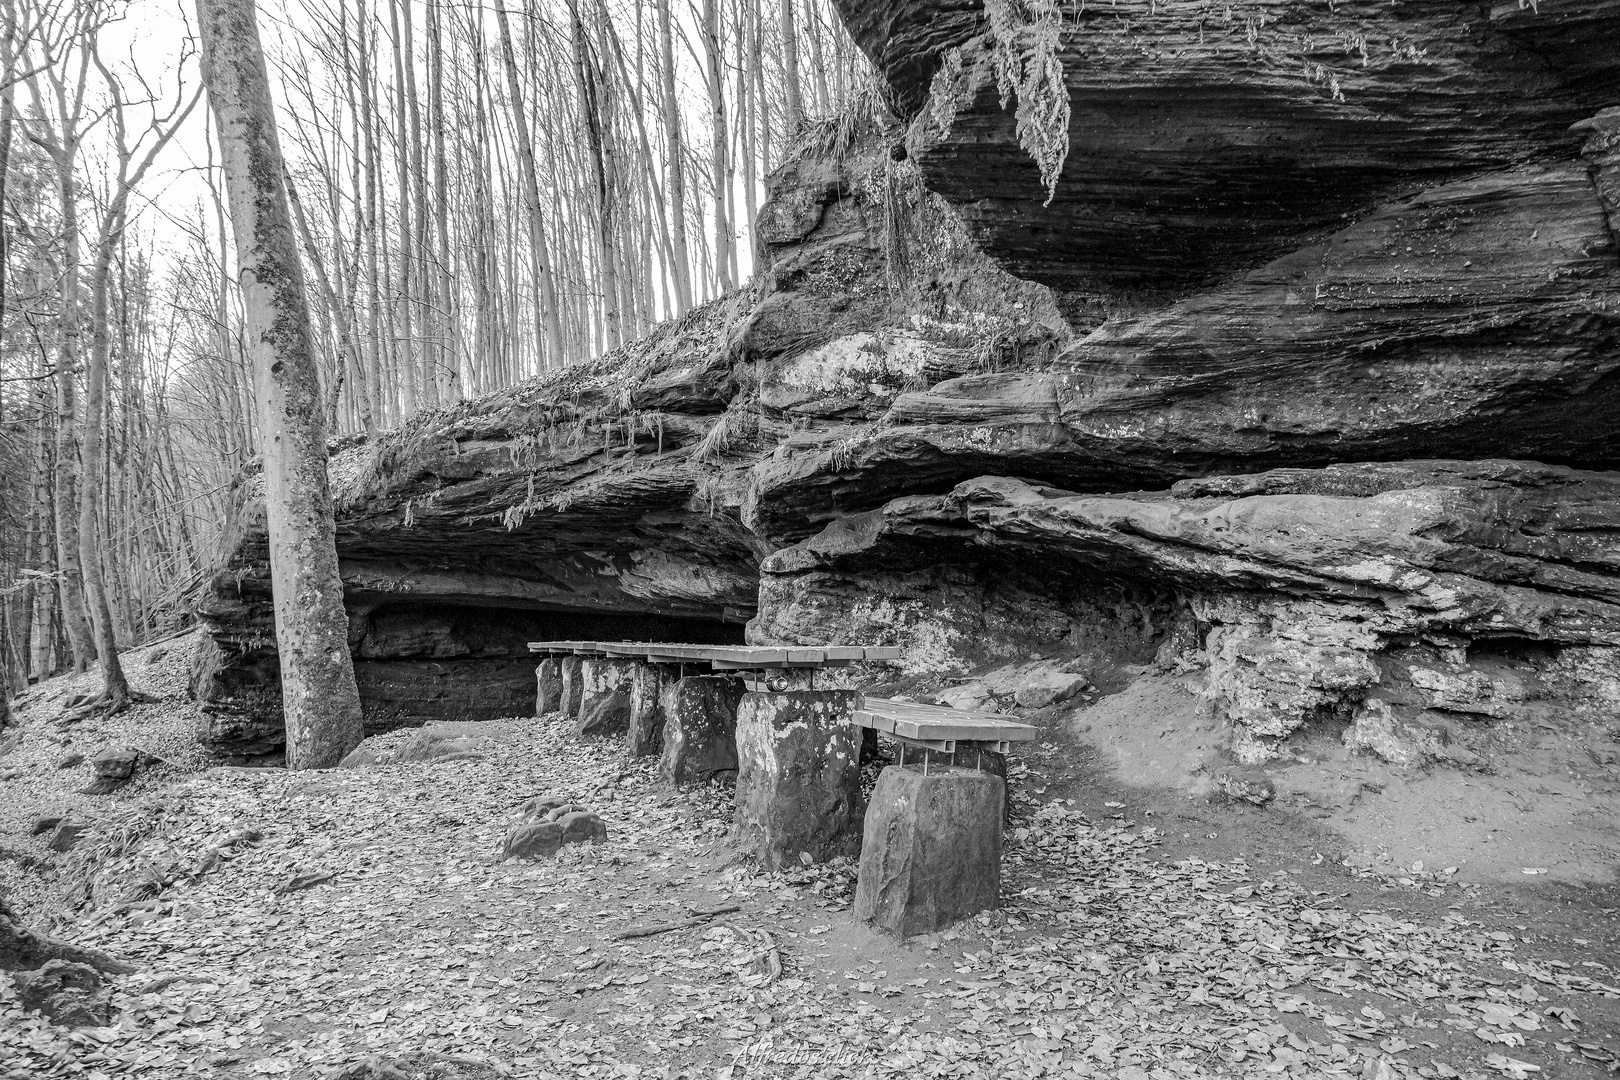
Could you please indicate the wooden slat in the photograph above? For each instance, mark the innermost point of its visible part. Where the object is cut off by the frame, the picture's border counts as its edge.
(563, 646)
(928, 723)
(731, 657)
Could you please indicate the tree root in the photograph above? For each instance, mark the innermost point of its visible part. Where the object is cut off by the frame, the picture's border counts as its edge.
(105, 705)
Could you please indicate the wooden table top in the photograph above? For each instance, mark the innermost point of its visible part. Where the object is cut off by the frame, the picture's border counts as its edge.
(725, 657)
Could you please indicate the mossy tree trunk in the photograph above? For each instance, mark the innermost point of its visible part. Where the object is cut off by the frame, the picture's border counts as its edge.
(319, 697)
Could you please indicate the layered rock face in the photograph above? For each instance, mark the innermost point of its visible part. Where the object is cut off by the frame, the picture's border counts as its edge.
(1269, 276)
(1307, 384)
(605, 501)
(1398, 601)
(1338, 425)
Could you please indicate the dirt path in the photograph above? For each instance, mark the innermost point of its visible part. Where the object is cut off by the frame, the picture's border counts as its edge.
(1143, 936)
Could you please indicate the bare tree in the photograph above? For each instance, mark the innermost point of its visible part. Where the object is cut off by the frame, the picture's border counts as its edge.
(319, 697)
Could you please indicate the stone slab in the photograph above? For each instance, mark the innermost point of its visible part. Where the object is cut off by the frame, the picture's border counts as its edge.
(647, 685)
(548, 692)
(700, 728)
(571, 685)
(931, 848)
(798, 778)
(604, 704)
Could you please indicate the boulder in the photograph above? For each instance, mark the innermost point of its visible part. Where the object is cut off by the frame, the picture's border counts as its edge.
(604, 702)
(540, 807)
(543, 839)
(931, 850)
(1248, 785)
(66, 835)
(798, 777)
(116, 763)
(972, 696)
(548, 696)
(648, 684)
(572, 685)
(114, 767)
(44, 824)
(66, 993)
(700, 728)
(432, 744)
(362, 756)
(1048, 688)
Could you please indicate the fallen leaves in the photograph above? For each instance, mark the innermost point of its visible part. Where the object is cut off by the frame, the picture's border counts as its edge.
(1107, 960)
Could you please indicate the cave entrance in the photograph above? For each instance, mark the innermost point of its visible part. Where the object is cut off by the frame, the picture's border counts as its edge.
(422, 661)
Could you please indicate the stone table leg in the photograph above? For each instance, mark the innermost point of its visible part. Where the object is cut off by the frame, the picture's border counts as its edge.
(604, 702)
(648, 683)
(548, 686)
(700, 728)
(571, 685)
(798, 777)
(931, 853)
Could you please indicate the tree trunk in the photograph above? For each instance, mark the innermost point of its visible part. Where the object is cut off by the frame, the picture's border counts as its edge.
(549, 329)
(674, 161)
(75, 621)
(724, 253)
(319, 697)
(115, 687)
(794, 117)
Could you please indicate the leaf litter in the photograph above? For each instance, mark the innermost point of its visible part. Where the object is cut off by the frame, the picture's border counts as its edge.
(326, 924)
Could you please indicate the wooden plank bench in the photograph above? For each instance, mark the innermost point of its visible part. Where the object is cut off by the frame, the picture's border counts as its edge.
(725, 657)
(938, 728)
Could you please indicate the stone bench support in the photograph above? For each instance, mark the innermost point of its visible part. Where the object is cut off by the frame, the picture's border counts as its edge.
(931, 849)
(548, 696)
(700, 728)
(604, 705)
(571, 685)
(648, 684)
(798, 778)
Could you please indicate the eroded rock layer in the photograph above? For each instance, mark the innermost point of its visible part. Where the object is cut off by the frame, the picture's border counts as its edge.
(1398, 599)
(605, 501)
(1308, 389)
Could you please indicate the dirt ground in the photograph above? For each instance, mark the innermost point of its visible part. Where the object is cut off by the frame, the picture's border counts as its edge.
(1145, 932)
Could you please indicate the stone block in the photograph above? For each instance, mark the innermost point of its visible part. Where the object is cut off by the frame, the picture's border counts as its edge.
(116, 763)
(114, 767)
(931, 849)
(604, 702)
(647, 685)
(432, 743)
(700, 728)
(571, 685)
(66, 835)
(548, 695)
(542, 840)
(798, 775)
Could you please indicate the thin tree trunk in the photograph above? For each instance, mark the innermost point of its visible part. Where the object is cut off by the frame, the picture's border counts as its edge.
(674, 163)
(319, 697)
(548, 326)
(75, 619)
(793, 117)
(724, 257)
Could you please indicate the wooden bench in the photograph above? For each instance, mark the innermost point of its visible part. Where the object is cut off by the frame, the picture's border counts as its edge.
(938, 728)
(725, 657)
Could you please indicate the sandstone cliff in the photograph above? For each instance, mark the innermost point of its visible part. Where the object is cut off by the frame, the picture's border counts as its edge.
(1307, 384)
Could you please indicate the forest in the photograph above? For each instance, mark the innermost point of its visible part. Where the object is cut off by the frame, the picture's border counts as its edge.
(482, 193)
